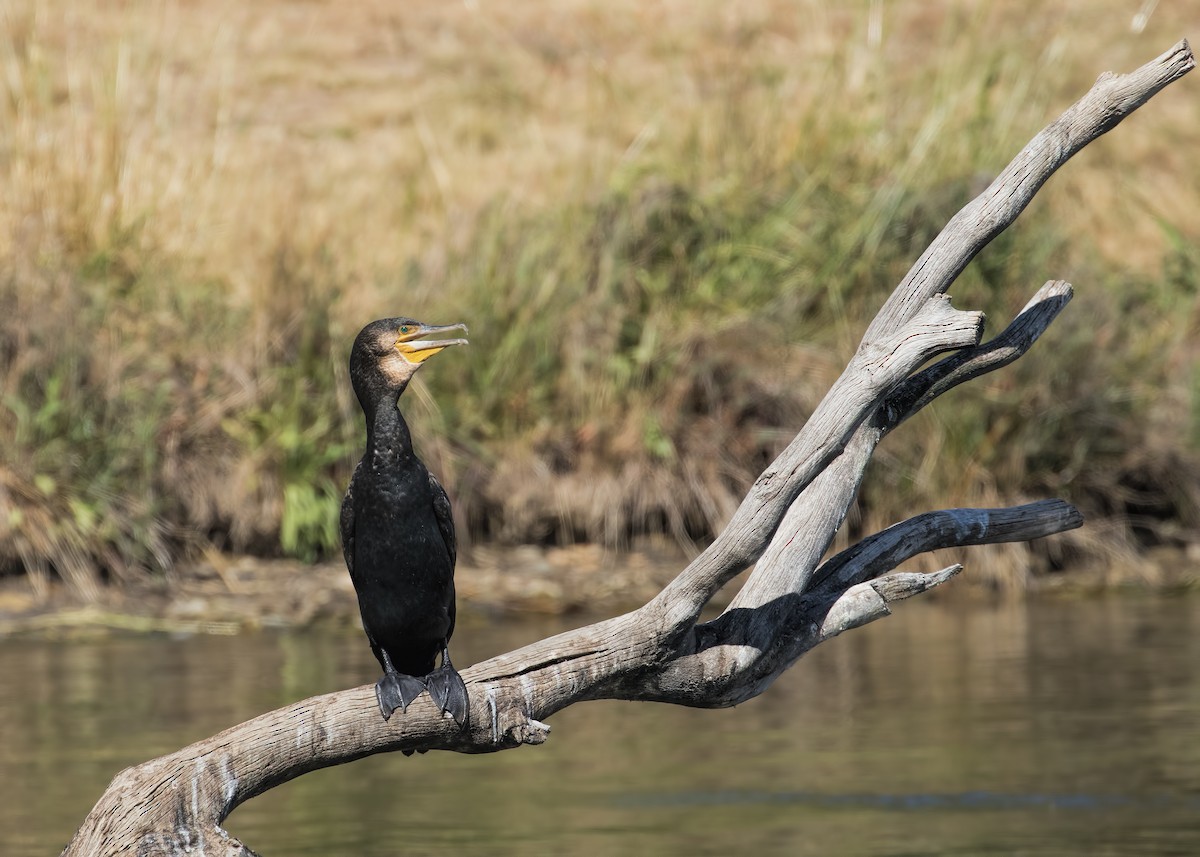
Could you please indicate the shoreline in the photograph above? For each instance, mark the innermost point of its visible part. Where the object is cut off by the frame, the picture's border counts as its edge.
(222, 594)
(233, 594)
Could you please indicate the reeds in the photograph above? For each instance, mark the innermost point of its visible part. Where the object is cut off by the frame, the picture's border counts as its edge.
(666, 225)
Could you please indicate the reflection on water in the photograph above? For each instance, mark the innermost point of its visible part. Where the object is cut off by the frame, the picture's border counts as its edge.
(1045, 728)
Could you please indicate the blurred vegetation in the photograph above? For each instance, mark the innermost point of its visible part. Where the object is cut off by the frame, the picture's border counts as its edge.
(666, 225)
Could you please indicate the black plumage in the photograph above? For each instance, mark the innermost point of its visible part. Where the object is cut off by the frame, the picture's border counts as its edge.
(397, 530)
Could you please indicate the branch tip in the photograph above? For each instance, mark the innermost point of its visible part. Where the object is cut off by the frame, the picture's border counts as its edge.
(897, 587)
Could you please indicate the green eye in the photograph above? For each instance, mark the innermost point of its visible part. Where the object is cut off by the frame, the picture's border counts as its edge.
(404, 329)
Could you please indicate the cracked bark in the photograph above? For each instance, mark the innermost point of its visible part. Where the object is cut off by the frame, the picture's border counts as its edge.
(791, 602)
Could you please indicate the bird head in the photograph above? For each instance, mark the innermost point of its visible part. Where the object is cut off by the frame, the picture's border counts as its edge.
(388, 352)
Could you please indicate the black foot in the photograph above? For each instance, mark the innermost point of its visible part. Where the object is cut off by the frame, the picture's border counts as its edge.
(449, 692)
(396, 690)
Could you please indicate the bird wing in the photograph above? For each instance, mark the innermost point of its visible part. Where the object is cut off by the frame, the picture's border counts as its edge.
(445, 522)
(347, 523)
(445, 518)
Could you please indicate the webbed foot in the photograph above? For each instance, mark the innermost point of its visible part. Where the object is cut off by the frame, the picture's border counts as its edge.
(449, 691)
(396, 690)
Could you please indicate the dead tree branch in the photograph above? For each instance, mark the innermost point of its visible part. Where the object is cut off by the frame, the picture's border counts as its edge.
(790, 603)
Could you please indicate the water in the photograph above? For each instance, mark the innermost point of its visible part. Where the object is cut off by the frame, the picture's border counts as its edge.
(1045, 728)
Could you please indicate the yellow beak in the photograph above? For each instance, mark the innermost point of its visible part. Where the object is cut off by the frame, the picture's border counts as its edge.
(415, 349)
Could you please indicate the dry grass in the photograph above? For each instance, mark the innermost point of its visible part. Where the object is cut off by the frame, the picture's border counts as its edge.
(666, 224)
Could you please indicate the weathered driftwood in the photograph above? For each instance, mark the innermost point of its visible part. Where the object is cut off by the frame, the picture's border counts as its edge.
(790, 603)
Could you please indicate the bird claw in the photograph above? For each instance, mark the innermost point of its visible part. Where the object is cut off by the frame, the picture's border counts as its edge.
(449, 692)
(396, 690)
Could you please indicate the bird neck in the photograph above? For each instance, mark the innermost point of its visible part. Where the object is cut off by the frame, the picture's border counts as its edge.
(387, 432)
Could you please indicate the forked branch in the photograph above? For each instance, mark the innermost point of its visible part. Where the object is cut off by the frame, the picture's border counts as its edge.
(790, 603)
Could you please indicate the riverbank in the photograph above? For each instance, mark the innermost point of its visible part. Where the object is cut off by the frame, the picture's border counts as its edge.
(667, 226)
(224, 595)
(228, 595)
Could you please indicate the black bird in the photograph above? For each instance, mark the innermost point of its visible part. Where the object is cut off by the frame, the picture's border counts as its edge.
(397, 532)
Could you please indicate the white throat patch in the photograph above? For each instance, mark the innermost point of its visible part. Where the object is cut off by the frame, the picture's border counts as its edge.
(396, 369)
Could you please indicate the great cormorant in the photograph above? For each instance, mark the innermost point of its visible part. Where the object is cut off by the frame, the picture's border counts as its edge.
(397, 531)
